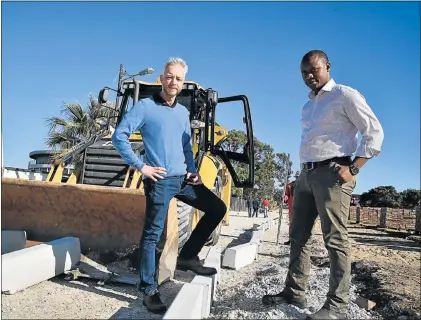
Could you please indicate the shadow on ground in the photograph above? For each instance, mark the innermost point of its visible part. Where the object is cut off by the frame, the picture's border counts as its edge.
(389, 243)
(129, 293)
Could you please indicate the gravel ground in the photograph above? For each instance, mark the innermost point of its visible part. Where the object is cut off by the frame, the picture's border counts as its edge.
(241, 291)
(376, 258)
(84, 299)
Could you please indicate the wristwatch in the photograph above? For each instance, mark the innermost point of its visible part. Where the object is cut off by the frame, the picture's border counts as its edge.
(353, 170)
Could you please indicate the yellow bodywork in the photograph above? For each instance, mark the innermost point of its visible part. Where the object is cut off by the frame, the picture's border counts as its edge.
(103, 217)
(209, 169)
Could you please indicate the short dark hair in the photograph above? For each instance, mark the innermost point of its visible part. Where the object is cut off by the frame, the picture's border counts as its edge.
(321, 54)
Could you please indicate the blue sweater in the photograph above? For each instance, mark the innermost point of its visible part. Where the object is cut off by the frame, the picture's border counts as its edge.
(166, 136)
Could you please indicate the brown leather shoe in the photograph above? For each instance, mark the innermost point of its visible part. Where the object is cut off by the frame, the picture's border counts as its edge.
(282, 298)
(154, 303)
(195, 265)
(326, 314)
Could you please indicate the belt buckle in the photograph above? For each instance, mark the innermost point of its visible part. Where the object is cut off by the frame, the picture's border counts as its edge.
(308, 166)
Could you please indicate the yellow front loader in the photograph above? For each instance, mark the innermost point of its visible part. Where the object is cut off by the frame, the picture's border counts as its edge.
(103, 203)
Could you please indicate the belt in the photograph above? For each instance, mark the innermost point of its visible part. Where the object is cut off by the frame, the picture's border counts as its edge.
(307, 166)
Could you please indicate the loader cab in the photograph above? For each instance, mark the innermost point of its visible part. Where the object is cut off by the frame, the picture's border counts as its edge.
(207, 135)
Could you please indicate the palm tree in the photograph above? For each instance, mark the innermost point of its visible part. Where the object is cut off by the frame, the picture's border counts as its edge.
(76, 124)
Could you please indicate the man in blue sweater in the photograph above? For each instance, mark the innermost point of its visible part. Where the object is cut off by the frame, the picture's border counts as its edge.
(169, 171)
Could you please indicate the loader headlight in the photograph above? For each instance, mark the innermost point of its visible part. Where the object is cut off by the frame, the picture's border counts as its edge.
(196, 124)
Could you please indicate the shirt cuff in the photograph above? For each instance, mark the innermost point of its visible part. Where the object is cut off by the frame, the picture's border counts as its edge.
(365, 151)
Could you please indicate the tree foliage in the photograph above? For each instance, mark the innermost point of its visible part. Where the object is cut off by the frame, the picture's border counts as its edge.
(76, 124)
(270, 167)
(410, 198)
(387, 196)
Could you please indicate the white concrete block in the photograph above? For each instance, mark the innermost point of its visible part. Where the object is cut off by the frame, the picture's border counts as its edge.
(206, 283)
(213, 260)
(255, 238)
(187, 304)
(240, 256)
(30, 266)
(12, 240)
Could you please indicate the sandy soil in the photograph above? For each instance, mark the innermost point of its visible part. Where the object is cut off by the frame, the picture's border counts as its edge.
(84, 299)
(386, 270)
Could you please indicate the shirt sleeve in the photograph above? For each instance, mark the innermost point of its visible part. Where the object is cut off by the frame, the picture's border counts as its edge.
(187, 148)
(132, 121)
(360, 114)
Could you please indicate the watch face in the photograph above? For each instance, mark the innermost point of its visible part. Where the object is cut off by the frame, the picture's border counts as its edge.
(353, 169)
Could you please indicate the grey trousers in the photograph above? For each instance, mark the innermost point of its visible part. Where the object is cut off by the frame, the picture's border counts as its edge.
(318, 192)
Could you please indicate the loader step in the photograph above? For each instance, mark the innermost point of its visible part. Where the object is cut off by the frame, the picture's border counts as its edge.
(106, 168)
(99, 160)
(103, 182)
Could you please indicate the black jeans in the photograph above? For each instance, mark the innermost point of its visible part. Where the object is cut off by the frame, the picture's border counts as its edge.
(255, 212)
(158, 197)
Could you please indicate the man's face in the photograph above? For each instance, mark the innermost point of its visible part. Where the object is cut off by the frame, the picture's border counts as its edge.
(173, 79)
(315, 72)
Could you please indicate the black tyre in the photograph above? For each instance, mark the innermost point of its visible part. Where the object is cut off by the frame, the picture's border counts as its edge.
(185, 220)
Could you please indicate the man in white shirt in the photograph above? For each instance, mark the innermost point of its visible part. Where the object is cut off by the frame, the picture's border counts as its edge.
(330, 121)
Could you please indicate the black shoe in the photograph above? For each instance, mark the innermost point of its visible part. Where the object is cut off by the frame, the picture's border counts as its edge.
(280, 298)
(287, 243)
(195, 265)
(154, 304)
(325, 313)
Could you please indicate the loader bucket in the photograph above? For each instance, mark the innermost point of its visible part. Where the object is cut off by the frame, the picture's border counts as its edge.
(103, 218)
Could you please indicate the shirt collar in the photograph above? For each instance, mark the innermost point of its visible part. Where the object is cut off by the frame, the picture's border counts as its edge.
(326, 88)
(158, 99)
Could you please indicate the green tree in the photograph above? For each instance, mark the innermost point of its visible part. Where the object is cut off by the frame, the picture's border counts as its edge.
(76, 124)
(268, 166)
(283, 170)
(410, 198)
(382, 196)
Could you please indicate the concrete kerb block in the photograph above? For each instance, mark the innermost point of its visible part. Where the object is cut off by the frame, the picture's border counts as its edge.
(206, 283)
(12, 240)
(213, 260)
(187, 304)
(240, 256)
(30, 266)
(255, 238)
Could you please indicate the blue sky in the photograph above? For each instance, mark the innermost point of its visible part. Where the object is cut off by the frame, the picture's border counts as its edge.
(62, 52)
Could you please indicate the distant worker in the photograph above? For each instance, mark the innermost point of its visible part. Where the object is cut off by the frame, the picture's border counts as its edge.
(330, 122)
(249, 205)
(169, 172)
(266, 205)
(256, 206)
(289, 195)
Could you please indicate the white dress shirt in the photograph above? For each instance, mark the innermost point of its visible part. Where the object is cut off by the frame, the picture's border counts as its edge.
(330, 123)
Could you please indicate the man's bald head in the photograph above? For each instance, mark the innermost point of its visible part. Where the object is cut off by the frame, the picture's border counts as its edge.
(315, 53)
(315, 69)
